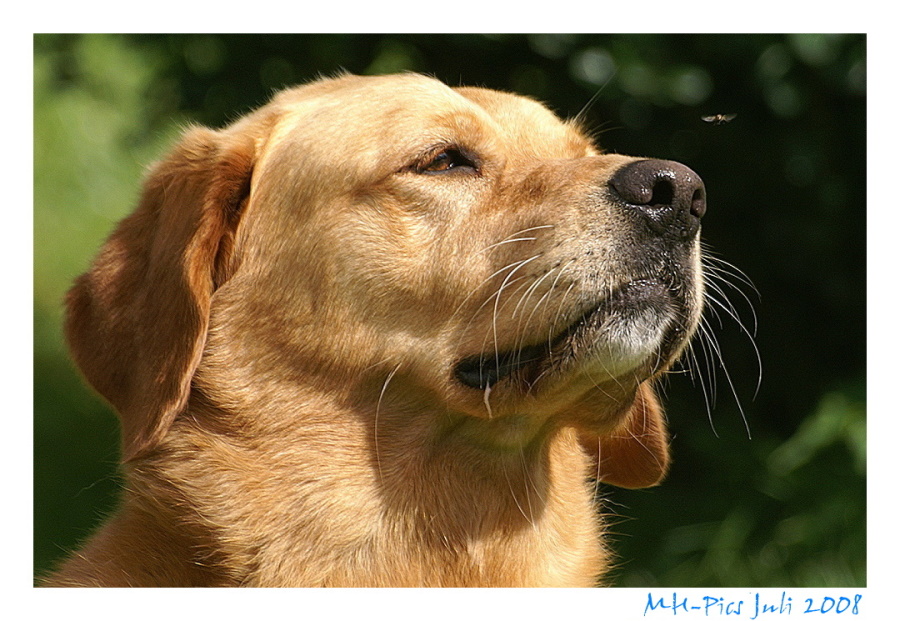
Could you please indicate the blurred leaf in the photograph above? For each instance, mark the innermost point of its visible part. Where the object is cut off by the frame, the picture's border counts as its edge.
(838, 419)
(394, 57)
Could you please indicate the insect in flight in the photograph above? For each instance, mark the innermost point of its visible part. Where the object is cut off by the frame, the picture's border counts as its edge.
(719, 119)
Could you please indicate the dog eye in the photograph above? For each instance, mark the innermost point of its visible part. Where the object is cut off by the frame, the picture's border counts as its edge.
(448, 160)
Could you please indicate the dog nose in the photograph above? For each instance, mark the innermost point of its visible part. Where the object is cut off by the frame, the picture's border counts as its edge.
(669, 196)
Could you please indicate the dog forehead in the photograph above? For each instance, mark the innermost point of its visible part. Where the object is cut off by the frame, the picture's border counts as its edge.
(529, 126)
(360, 101)
(362, 114)
(510, 108)
(371, 122)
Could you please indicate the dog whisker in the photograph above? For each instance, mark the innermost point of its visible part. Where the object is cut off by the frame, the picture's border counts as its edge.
(528, 292)
(724, 303)
(710, 343)
(564, 299)
(513, 238)
(521, 330)
(692, 368)
(528, 483)
(375, 424)
(476, 290)
(711, 260)
(496, 305)
(512, 491)
(707, 342)
(580, 118)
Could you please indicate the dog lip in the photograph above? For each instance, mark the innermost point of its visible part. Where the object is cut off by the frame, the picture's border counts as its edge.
(486, 369)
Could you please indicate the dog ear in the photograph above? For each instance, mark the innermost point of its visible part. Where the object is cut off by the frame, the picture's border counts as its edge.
(636, 454)
(137, 320)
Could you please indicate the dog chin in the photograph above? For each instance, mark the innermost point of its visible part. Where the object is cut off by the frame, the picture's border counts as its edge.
(626, 333)
(626, 343)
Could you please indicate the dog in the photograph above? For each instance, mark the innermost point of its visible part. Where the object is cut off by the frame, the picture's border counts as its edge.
(384, 332)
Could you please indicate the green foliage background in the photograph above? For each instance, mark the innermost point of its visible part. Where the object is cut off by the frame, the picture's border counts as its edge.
(786, 186)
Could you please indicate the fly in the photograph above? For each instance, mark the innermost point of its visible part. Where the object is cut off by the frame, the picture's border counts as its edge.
(719, 119)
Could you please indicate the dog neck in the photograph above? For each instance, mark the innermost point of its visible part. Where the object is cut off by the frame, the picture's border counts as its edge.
(378, 492)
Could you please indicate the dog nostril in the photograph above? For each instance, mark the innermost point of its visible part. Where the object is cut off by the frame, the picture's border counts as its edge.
(698, 203)
(663, 194)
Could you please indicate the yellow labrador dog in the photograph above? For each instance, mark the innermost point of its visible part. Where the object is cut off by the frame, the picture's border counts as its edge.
(383, 332)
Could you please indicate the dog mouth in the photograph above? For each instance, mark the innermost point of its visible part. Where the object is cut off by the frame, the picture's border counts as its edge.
(635, 323)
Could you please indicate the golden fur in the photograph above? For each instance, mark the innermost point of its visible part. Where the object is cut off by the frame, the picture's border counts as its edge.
(290, 323)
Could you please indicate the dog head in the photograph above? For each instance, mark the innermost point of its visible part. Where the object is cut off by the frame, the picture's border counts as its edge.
(465, 244)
